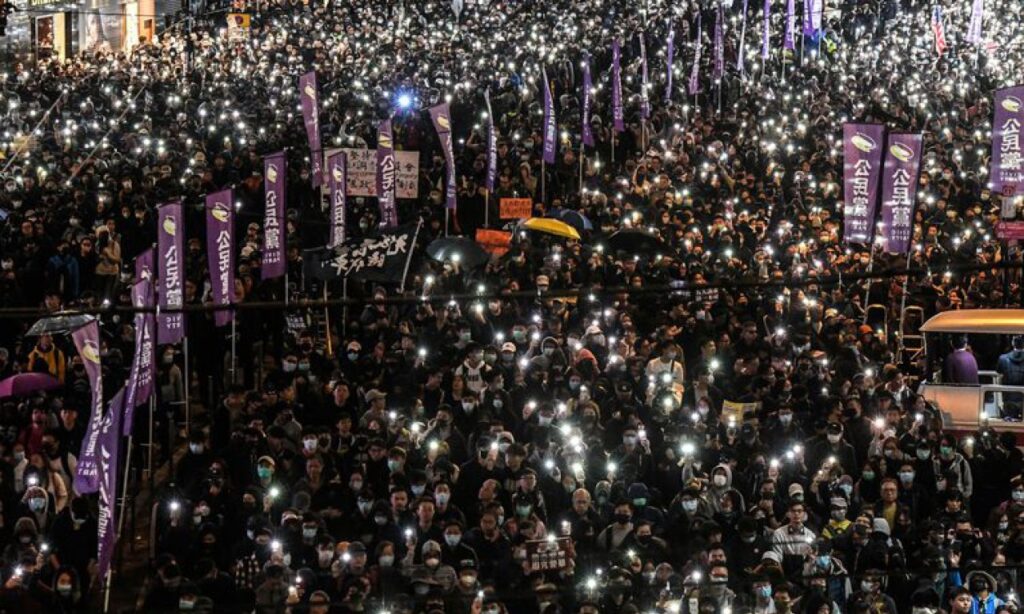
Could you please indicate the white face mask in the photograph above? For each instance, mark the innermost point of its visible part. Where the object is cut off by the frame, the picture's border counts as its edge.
(719, 480)
(834, 438)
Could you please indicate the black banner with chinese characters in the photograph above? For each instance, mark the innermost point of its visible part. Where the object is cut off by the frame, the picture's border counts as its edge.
(381, 258)
(549, 554)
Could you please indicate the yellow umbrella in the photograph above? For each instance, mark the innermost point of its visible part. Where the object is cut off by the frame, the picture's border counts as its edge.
(552, 227)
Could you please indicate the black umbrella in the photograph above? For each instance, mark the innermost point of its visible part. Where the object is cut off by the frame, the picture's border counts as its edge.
(636, 241)
(466, 252)
(60, 323)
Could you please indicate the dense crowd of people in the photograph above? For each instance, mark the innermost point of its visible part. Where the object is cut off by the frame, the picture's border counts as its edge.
(732, 429)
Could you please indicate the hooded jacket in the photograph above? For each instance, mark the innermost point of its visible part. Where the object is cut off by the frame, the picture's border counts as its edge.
(1011, 366)
(715, 493)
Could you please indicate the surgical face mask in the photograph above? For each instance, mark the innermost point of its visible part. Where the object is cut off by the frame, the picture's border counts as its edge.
(838, 515)
(19, 456)
(386, 560)
(364, 506)
(289, 366)
(748, 539)
(629, 440)
(309, 445)
(846, 488)
(868, 475)
(1018, 495)
(418, 489)
(690, 505)
(265, 473)
(308, 532)
(640, 501)
(394, 465)
(719, 480)
(432, 562)
(785, 420)
(824, 560)
(196, 448)
(548, 351)
(946, 451)
(64, 589)
(923, 453)
(834, 439)
(380, 520)
(36, 504)
(765, 591)
(1004, 525)
(452, 540)
(353, 356)
(906, 477)
(868, 586)
(186, 604)
(523, 510)
(442, 498)
(544, 420)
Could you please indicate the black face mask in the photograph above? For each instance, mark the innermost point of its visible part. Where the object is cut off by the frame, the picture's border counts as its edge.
(622, 518)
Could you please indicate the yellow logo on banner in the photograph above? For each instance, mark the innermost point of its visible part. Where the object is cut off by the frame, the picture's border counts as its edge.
(901, 152)
(863, 142)
(272, 173)
(220, 212)
(169, 226)
(90, 352)
(1011, 104)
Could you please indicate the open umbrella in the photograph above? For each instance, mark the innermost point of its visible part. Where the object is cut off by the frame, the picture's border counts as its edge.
(26, 383)
(634, 241)
(59, 323)
(550, 226)
(576, 219)
(464, 251)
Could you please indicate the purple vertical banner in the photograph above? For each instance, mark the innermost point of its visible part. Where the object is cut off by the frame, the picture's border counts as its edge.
(743, 37)
(1005, 173)
(386, 171)
(899, 190)
(862, 171)
(109, 456)
(588, 84)
(766, 31)
(170, 231)
(275, 179)
(440, 116)
(645, 100)
(618, 117)
(144, 265)
(87, 342)
(790, 34)
(694, 85)
(311, 118)
(220, 252)
(670, 52)
(719, 44)
(974, 35)
(549, 121)
(337, 182)
(492, 145)
(140, 379)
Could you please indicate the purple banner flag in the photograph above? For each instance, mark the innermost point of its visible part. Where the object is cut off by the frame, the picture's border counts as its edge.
(140, 379)
(670, 52)
(275, 178)
(337, 180)
(743, 37)
(766, 31)
(862, 170)
(492, 145)
(1005, 174)
(144, 266)
(220, 252)
(618, 117)
(719, 44)
(694, 85)
(790, 35)
(311, 118)
(171, 264)
(974, 35)
(87, 342)
(109, 456)
(588, 84)
(899, 190)
(812, 17)
(645, 100)
(550, 134)
(441, 118)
